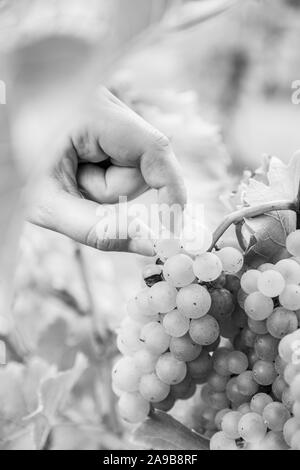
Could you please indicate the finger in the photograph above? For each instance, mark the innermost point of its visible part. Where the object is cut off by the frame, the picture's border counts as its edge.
(88, 148)
(106, 186)
(130, 141)
(161, 171)
(82, 220)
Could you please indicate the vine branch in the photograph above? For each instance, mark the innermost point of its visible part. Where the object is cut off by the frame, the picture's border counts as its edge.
(237, 217)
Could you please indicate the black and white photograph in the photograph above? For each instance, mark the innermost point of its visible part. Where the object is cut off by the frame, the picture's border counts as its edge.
(149, 228)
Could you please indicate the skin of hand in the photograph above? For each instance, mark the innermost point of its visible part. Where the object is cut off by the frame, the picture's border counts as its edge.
(115, 153)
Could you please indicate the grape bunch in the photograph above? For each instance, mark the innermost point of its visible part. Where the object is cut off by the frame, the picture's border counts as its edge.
(212, 327)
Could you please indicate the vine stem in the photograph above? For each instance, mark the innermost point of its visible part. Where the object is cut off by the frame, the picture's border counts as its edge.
(249, 212)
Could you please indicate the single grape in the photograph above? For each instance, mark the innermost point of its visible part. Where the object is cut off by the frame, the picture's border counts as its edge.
(239, 317)
(232, 259)
(275, 415)
(200, 367)
(208, 416)
(143, 319)
(155, 338)
(258, 306)
(290, 270)
(152, 273)
(252, 427)
(271, 283)
(291, 426)
(220, 441)
(207, 267)
(191, 391)
(282, 322)
(264, 372)
(166, 404)
(266, 347)
(125, 375)
(205, 330)
(153, 389)
(133, 407)
(199, 242)
(233, 393)
(246, 383)
(219, 283)
(162, 297)
(249, 281)
(259, 402)
(265, 267)
(244, 408)
(167, 247)
(220, 361)
(123, 348)
(135, 313)
(228, 329)
(293, 243)
(145, 361)
(290, 297)
(258, 327)
(217, 382)
(175, 323)
(222, 304)
(233, 284)
(193, 301)
(179, 270)
(237, 362)
(170, 370)
(230, 423)
(278, 387)
(143, 304)
(184, 349)
(219, 416)
(248, 338)
(218, 400)
(183, 389)
(129, 336)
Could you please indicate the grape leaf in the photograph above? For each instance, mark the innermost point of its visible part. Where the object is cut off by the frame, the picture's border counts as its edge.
(53, 393)
(162, 432)
(267, 233)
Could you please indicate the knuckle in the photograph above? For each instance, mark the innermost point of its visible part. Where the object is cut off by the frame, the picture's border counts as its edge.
(95, 240)
(106, 244)
(161, 141)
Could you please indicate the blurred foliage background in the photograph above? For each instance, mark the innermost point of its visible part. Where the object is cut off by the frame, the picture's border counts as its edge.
(213, 75)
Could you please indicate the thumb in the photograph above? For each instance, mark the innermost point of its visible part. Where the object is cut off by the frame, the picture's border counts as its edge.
(89, 223)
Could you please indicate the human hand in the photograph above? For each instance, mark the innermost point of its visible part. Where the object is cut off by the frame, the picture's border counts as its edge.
(116, 153)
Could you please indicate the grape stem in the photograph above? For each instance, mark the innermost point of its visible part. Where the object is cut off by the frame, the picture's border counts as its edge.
(238, 216)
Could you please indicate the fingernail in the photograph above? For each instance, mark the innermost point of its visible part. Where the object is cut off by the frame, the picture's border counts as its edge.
(143, 247)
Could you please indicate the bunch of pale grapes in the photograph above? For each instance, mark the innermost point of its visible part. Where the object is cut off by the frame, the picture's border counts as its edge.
(210, 326)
